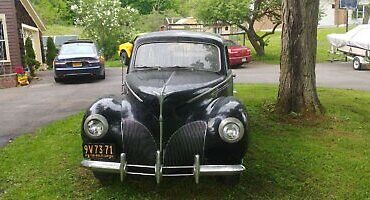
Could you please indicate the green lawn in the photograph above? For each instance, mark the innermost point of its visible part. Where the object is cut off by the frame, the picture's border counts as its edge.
(52, 30)
(327, 158)
(273, 49)
(113, 63)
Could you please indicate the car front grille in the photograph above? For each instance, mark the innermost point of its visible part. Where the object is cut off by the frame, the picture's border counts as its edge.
(140, 147)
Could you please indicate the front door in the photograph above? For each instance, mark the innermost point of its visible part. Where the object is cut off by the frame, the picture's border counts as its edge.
(34, 34)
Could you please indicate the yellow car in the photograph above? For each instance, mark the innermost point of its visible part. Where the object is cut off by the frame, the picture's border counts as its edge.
(125, 50)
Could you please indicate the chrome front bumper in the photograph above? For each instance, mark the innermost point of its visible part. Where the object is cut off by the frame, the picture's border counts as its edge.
(198, 170)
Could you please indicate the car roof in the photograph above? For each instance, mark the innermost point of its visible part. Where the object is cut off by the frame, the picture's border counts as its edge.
(173, 35)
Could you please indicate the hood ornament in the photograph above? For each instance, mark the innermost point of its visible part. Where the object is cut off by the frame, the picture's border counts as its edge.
(161, 97)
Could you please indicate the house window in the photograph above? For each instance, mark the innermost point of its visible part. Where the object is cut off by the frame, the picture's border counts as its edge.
(4, 48)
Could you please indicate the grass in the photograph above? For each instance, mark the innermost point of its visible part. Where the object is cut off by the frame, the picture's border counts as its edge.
(326, 158)
(274, 46)
(113, 63)
(52, 30)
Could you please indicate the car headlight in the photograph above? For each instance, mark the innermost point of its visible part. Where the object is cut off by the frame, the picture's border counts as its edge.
(231, 130)
(96, 126)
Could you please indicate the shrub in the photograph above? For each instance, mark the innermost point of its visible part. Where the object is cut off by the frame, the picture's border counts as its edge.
(30, 57)
(51, 52)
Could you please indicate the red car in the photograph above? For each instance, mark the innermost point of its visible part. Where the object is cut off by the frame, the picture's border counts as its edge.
(238, 54)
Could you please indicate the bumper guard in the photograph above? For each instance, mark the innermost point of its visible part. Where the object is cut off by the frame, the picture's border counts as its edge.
(198, 170)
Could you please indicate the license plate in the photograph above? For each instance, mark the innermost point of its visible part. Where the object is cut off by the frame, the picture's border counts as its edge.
(77, 64)
(244, 60)
(99, 151)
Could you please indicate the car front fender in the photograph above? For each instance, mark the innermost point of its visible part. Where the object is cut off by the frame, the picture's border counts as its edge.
(216, 150)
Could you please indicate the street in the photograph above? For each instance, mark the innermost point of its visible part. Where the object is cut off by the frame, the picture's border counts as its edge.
(24, 109)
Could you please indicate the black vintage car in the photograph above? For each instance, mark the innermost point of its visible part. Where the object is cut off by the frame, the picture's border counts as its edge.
(177, 115)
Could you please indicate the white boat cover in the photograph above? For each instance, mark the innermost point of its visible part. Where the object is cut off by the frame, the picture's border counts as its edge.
(357, 37)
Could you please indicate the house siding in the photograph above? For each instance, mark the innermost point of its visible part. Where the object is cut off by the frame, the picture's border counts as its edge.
(24, 18)
(7, 7)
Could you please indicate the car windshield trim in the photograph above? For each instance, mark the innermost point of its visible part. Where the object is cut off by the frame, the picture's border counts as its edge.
(192, 68)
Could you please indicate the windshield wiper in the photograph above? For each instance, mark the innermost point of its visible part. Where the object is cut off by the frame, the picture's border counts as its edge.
(182, 67)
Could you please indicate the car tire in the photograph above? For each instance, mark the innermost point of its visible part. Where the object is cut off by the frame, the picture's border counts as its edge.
(58, 80)
(102, 77)
(357, 63)
(104, 178)
(230, 180)
(124, 58)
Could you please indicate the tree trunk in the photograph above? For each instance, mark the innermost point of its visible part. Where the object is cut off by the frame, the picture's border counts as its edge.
(258, 45)
(366, 14)
(257, 42)
(297, 89)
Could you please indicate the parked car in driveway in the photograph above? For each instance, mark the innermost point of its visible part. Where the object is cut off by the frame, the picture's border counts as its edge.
(176, 117)
(78, 58)
(238, 54)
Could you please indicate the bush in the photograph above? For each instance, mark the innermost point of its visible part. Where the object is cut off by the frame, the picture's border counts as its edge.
(51, 52)
(106, 22)
(30, 57)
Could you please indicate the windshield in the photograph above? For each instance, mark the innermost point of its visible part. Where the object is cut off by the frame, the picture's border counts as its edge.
(205, 57)
(78, 48)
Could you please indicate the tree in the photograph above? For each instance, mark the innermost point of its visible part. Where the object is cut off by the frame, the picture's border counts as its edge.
(366, 14)
(51, 52)
(147, 6)
(106, 22)
(243, 14)
(297, 89)
(30, 56)
(54, 11)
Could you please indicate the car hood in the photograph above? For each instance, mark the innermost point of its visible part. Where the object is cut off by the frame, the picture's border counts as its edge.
(72, 56)
(179, 84)
(177, 87)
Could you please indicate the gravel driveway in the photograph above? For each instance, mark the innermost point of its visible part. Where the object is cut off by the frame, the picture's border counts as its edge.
(24, 109)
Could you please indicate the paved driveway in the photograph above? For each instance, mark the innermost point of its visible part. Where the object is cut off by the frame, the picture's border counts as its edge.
(25, 109)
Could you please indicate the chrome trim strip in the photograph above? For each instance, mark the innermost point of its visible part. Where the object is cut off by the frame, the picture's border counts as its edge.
(158, 167)
(210, 90)
(122, 166)
(141, 174)
(142, 166)
(177, 175)
(178, 167)
(161, 98)
(133, 93)
(76, 68)
(196, 170)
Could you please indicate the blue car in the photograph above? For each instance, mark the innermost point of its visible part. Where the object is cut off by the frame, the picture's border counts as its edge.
(78, 58)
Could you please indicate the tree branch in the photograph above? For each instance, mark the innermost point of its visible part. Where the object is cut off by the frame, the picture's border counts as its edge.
(270, 33)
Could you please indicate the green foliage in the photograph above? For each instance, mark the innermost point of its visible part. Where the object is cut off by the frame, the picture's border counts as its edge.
(106, 22)
(51, 52)
(233, 11)
(54, 11)
(147, 6)
(243, 14)
(324, 158)
(153, 21)
(30, 57)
